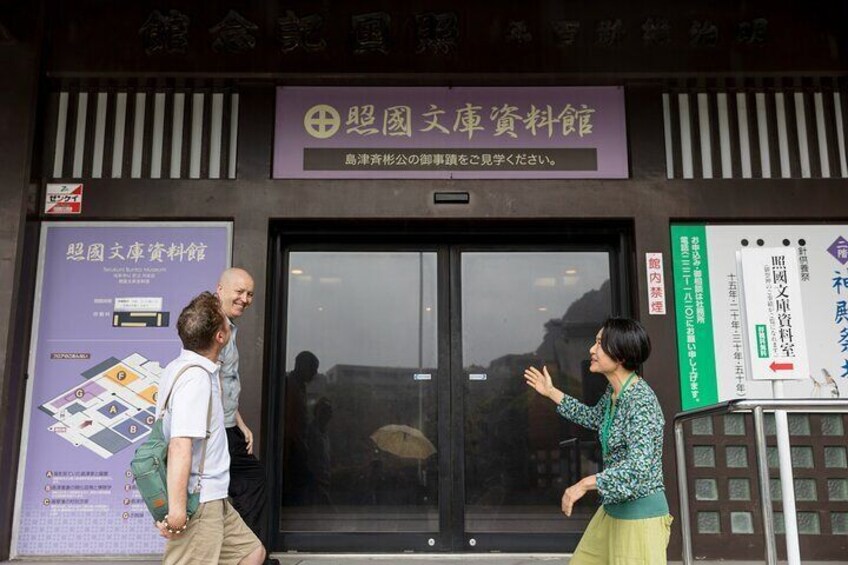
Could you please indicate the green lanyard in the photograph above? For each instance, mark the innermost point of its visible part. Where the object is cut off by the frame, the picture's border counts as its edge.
(605, 429)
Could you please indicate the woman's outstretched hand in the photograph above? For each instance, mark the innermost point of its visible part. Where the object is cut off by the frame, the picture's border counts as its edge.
(540, 381)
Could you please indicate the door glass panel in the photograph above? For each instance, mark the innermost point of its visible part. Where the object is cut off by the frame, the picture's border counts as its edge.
(360, 415)
(520, 309)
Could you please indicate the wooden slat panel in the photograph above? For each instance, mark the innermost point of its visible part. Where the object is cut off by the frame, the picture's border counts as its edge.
(70, 135)
(98, 142)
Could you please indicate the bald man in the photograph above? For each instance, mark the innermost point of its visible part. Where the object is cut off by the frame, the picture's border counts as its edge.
(247, 476)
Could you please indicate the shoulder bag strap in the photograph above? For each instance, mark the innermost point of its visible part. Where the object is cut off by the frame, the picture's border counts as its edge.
(205, 441)
(208, 420)
(173, 384)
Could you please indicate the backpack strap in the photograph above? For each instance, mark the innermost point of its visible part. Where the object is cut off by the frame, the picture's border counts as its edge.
(208, 420)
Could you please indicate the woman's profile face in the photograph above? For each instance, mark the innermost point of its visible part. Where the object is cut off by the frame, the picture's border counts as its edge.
(599, 361)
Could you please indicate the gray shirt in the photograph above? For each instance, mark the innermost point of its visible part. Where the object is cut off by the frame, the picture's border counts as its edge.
(230, 381)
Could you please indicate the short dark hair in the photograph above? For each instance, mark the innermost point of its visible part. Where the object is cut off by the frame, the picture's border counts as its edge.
(626, 342)
(306, 364)
(200, 321)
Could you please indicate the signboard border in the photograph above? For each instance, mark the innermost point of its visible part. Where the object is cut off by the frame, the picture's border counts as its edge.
(279, 143)
(33, 347)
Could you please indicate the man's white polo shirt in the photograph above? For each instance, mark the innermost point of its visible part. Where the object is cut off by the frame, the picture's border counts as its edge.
(186, 417)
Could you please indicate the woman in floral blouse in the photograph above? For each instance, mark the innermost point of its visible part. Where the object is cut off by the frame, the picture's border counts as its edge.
(633, 525)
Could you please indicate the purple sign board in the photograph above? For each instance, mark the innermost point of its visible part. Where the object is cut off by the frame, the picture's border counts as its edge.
(107, 301)
(428, 132)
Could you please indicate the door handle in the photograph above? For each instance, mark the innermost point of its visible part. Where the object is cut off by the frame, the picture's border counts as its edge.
(478, 376)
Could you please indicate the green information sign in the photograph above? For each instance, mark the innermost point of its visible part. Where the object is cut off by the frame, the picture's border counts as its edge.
(695, 345)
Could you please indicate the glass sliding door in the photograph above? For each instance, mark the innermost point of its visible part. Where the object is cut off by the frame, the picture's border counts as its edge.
(401, 418)
(518, 309)
(360, 429)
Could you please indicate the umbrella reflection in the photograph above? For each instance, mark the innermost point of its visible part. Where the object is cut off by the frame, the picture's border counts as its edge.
(403, 441)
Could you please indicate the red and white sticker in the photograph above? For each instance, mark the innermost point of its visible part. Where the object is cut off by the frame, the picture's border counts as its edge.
(63, 199)
(656, 284)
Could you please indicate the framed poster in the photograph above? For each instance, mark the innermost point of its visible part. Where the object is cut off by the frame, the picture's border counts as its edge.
(107, 300)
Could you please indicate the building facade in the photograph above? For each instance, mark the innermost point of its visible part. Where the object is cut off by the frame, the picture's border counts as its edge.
(394, 297)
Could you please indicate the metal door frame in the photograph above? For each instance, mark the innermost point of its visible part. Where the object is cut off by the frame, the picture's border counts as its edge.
(449, 240)
(508, 542)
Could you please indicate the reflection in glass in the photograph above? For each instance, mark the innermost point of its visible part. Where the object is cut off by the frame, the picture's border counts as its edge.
(775, 489)
(805, 490)
(706, 489)
(799, 424)
(802, 456)
(772, 457)
(737, 456)
(739, 489)
(837, 490)
(741, 522)
(703, 456)
(808, 523)
(709, 523)
(518, 309)
(779, 523)
(832, 425)
(702, 427)
(839, 522)
(361, 332)
(734, 424)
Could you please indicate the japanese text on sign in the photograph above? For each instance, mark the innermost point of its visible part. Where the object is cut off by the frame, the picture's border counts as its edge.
(774, 313)
(656, 284)
(782, 311)
(737, 344)
(840, 316)
(137, 252)
(429, 159)
(323, 121)
(689, 316)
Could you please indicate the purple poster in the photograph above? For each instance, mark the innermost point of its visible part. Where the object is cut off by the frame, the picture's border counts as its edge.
(482, 132)
(107, 302)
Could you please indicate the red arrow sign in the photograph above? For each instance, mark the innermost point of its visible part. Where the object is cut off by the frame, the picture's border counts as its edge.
(775, 366)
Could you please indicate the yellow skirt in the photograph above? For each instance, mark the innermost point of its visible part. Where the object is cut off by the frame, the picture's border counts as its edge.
(610, 541)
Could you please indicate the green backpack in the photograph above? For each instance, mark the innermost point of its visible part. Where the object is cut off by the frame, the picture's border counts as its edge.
(149, 464)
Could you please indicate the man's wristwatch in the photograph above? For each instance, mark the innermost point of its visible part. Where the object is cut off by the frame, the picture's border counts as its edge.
(172, 530)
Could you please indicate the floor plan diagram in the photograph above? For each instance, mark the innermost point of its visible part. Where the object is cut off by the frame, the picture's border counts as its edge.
(114, 407)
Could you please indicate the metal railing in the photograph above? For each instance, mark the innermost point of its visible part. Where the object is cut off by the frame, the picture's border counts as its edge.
(758, 408)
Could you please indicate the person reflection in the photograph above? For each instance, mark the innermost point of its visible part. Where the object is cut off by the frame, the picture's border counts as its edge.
(318, 442)
(376, 480)
(295, 447)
